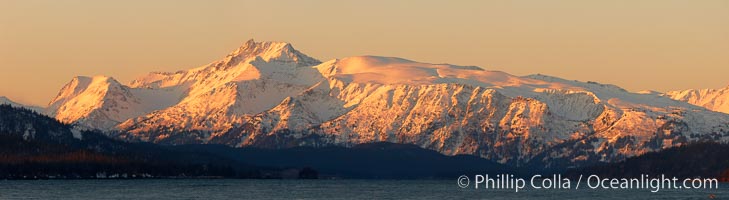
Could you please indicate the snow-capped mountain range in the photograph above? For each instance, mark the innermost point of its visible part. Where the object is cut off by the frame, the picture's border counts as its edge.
(268, 94)
(712, 99)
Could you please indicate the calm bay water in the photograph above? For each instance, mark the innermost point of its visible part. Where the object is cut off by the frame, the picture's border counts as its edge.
(310, 189)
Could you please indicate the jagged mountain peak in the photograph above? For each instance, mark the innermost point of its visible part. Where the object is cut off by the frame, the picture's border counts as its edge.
(271, 51)
(250, 61)
(95, 79)
(100, 102)
(80, 84)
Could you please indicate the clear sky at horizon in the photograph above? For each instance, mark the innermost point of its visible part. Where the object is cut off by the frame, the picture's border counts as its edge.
(639, 45)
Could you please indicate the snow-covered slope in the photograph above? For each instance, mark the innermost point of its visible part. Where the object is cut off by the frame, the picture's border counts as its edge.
(712, 99)
(251, 79)
(467, 110)
(267, 94)
(6, 100)
(101, 102)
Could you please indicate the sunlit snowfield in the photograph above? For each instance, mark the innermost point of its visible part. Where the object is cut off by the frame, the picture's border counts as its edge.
(309, 189)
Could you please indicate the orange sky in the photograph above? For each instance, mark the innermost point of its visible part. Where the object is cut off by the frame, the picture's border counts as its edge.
(658, 44)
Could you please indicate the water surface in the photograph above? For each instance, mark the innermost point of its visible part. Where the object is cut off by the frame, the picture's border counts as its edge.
(310, 189)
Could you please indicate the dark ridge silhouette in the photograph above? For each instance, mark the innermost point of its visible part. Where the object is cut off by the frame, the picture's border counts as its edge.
(373, 160)
(701, 159)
